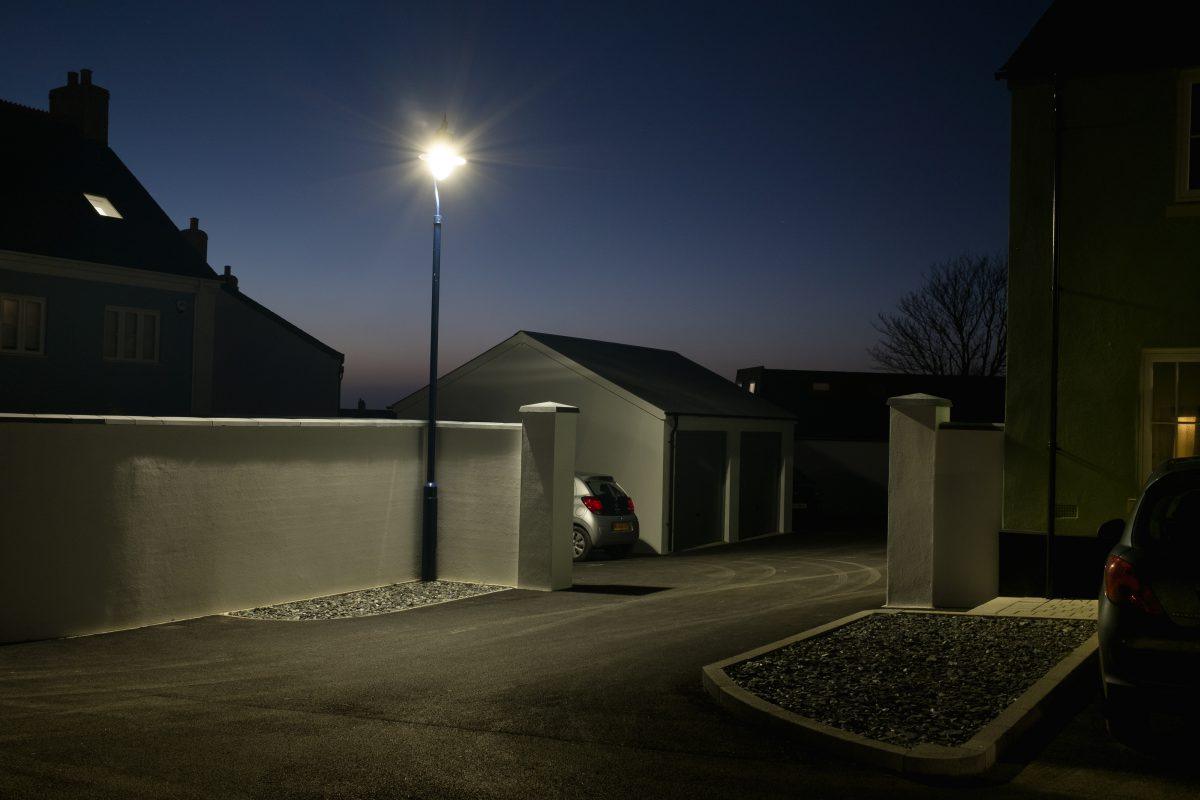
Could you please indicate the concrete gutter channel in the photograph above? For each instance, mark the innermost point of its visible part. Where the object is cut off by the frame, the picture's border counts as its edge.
(1053, 696)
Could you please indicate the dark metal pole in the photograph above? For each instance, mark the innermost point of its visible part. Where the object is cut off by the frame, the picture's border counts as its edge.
(429, 526)
(1055, 293)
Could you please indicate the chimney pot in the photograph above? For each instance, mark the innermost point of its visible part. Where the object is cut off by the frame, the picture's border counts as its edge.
(85, 77)
(72, 79)
(194, 224)
(228, 270)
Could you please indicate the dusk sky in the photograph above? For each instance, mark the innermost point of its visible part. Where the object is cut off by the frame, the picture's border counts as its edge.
(751, 185)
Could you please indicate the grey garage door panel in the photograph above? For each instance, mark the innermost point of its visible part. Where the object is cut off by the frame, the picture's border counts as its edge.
(758, 483)
(699, 492)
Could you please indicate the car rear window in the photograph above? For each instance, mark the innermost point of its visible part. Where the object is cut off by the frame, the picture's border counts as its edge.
(612, 497)
(1171, 522)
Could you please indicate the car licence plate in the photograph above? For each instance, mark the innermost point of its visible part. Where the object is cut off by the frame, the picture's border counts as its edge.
(621, 527)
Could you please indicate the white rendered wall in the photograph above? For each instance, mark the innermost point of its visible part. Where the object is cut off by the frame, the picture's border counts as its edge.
(968, 507)
(613, 436)
(112, 523)
(944, 505)
(912, 440)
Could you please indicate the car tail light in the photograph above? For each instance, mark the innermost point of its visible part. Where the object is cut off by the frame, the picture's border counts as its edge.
(1122, 586)
(592, 504)
(628, 505)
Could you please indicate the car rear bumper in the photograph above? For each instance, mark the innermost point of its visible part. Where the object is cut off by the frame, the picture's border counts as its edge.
(1148, 662)
(605, 536)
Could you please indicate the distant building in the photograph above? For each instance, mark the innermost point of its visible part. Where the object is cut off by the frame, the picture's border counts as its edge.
(106, 307)
(1127, 141)
(841, 447)
(704, 461)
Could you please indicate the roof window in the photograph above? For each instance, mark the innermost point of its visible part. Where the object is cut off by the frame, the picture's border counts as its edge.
(102, 205)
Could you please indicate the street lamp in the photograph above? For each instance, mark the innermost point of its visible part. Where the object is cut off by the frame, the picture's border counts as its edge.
(442, 160)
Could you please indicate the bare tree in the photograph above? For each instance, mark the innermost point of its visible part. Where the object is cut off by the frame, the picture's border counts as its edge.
(955, 324)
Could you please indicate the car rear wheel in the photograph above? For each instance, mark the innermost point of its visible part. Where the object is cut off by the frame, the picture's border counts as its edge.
(581, 544)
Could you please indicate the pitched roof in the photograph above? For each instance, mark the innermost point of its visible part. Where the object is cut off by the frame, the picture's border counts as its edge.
(1082, 36)
(663, 378)
(47, 168)
(236, 293)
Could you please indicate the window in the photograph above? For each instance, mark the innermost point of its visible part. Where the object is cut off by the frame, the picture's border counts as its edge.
(753, 386)
(103, 206)
(130, 334)
(1170, 406)
(22, 325)
(1187, 161)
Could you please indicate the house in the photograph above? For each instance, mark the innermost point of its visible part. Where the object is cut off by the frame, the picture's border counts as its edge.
(1105, 177)
(107, 307)
(841, 431)
(703, 460)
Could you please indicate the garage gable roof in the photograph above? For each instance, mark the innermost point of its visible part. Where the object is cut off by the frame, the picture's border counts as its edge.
(662, 378)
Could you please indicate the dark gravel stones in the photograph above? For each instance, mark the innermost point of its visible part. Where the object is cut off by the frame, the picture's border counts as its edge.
(368, 602)
(909, 679)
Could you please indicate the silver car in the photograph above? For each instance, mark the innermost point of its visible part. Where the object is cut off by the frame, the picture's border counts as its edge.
(603, 517)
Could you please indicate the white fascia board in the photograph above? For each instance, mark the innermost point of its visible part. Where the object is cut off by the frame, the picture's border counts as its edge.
(100, 273)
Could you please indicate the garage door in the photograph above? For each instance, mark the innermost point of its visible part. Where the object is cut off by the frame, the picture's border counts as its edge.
(758, 484)
(699, 492)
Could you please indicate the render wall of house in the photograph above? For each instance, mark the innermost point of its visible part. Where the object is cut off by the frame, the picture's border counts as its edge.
(614, 436)
(1130, 276)
(263, 368)
(72, 375)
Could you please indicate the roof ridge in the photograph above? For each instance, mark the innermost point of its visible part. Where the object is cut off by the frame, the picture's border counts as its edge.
(24, 107)
(602, 341)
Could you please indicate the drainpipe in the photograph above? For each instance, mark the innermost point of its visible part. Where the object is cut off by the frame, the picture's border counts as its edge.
(673, 419)
(1055, 293)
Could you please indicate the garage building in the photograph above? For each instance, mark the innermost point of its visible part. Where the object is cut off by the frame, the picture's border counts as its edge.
(704, 460)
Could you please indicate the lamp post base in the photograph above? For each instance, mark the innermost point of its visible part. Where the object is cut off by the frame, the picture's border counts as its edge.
(429, 534)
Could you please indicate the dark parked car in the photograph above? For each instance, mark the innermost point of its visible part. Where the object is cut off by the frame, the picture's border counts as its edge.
(1149, 615)
(603, 517)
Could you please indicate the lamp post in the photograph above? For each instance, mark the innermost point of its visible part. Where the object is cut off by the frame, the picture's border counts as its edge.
(441, 160)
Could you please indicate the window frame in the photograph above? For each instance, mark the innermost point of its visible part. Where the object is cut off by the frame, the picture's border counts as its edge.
(1150, 357)
(1183, 144)
(21, 300)
(121, 311)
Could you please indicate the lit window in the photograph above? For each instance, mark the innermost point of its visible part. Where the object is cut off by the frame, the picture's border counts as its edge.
(130, 334)
(820, 387)
(1171, 404)
(22, 325)
(753, 386)
(102, 205)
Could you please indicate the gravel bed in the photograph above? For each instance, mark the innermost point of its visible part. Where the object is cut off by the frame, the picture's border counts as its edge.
(909, 679)
(369, 602)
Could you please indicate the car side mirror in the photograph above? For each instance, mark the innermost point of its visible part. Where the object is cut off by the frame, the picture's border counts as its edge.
(1110, 533)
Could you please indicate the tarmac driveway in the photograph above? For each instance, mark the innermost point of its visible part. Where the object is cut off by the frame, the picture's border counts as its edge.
(589, 693)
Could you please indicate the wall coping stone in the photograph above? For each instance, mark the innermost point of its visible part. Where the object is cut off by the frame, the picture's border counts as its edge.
(263, 422)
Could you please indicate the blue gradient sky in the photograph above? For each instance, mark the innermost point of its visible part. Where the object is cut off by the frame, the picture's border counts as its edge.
(746, 183)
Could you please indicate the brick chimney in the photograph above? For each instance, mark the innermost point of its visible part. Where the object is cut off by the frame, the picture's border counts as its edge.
(196, 237)
(82, 104)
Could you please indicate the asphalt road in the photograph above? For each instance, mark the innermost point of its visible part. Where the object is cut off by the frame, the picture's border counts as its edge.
(589, 693)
